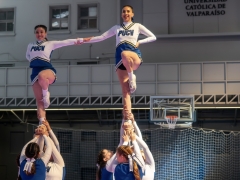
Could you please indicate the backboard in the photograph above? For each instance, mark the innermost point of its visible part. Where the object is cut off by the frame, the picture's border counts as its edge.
(181, 106)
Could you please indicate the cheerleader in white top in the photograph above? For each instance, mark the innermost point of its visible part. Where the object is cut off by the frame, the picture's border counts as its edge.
(128, 56)
(32, 166)
(55, 168)
(127, 163)
(43, 73)
(146, 153)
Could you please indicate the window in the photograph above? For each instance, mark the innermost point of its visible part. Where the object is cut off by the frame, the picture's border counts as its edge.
(87, 16)
(59, 18)
(7, 20)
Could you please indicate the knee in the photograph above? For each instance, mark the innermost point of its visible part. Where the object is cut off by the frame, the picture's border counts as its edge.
(41, 76)
(124, 55)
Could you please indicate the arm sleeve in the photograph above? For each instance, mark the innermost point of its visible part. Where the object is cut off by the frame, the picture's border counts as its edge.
(138, 152)
(121, 134)
(40, 142)
(27, 53)
(59, 44)
(54, 139)
(45, 158)
(150, 36)
(137, 130)
(106, 35)
(149, 157)
(56, 155)
(22, 156)
(112, 163)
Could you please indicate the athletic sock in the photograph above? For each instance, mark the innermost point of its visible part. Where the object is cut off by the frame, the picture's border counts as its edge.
(130, 75)
(41, 120)
(44, 92)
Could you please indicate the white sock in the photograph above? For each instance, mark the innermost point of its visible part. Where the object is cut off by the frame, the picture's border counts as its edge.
(130, 75)
(44, 92)
(41, 120)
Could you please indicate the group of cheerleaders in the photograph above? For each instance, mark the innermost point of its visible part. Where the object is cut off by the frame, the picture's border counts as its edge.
(40, 158)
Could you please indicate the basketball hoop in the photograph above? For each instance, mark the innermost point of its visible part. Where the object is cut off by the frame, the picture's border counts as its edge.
(171, 120)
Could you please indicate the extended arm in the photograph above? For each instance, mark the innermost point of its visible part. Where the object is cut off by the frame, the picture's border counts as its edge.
(45, 158)
(138, 152)
(57, 157)
(52, 135)
(59, 44)
(137, 130)
(54, 139)
(40, 142)
(148, 155)
(150, 36)
(104, 36)
(112, 163)
(22, 156)
(121, 134)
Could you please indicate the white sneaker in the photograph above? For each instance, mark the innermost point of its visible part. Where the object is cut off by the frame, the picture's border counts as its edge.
(46, 100)
(132, 84)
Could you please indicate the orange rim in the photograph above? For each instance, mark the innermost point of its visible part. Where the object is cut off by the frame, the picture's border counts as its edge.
(172, 117)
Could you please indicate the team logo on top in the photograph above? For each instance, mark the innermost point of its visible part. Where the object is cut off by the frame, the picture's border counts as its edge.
(37, 48)
(126, 32)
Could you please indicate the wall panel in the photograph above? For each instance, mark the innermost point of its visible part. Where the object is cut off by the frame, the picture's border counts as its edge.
(100, 89)
(167, 72)
(213, 72)
(3, 76)
(167, 88)
(16, 76)
(79, 74)
(16, 91)
(62, 74)
(191, 72)
(191, 88)
(214, 88)
(100, 74)
(201, 78)
(79, 90)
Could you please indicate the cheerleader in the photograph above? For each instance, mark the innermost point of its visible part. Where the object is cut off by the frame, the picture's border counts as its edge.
(127, 164)
(31, 166)
(148, 159)
(55, 168)
(103, 156)
(128, 56)
(43, 73)
(146, 153)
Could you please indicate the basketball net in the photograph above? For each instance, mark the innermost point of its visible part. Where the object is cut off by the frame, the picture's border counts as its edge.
(171, 120)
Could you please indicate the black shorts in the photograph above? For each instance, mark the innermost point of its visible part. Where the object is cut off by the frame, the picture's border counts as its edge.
(122, 67)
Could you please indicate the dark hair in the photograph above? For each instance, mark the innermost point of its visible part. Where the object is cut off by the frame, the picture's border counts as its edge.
(125, 151)
(41, 26)
(32, 151)
(131, 9)
(128, 6)
(100, 162)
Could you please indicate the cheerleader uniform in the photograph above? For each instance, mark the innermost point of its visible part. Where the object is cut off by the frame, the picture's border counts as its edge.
(39, 53)
(126, 39)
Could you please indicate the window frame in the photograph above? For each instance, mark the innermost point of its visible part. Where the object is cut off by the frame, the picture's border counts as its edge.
(79, 17)
(9, 33)
(60, 31)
